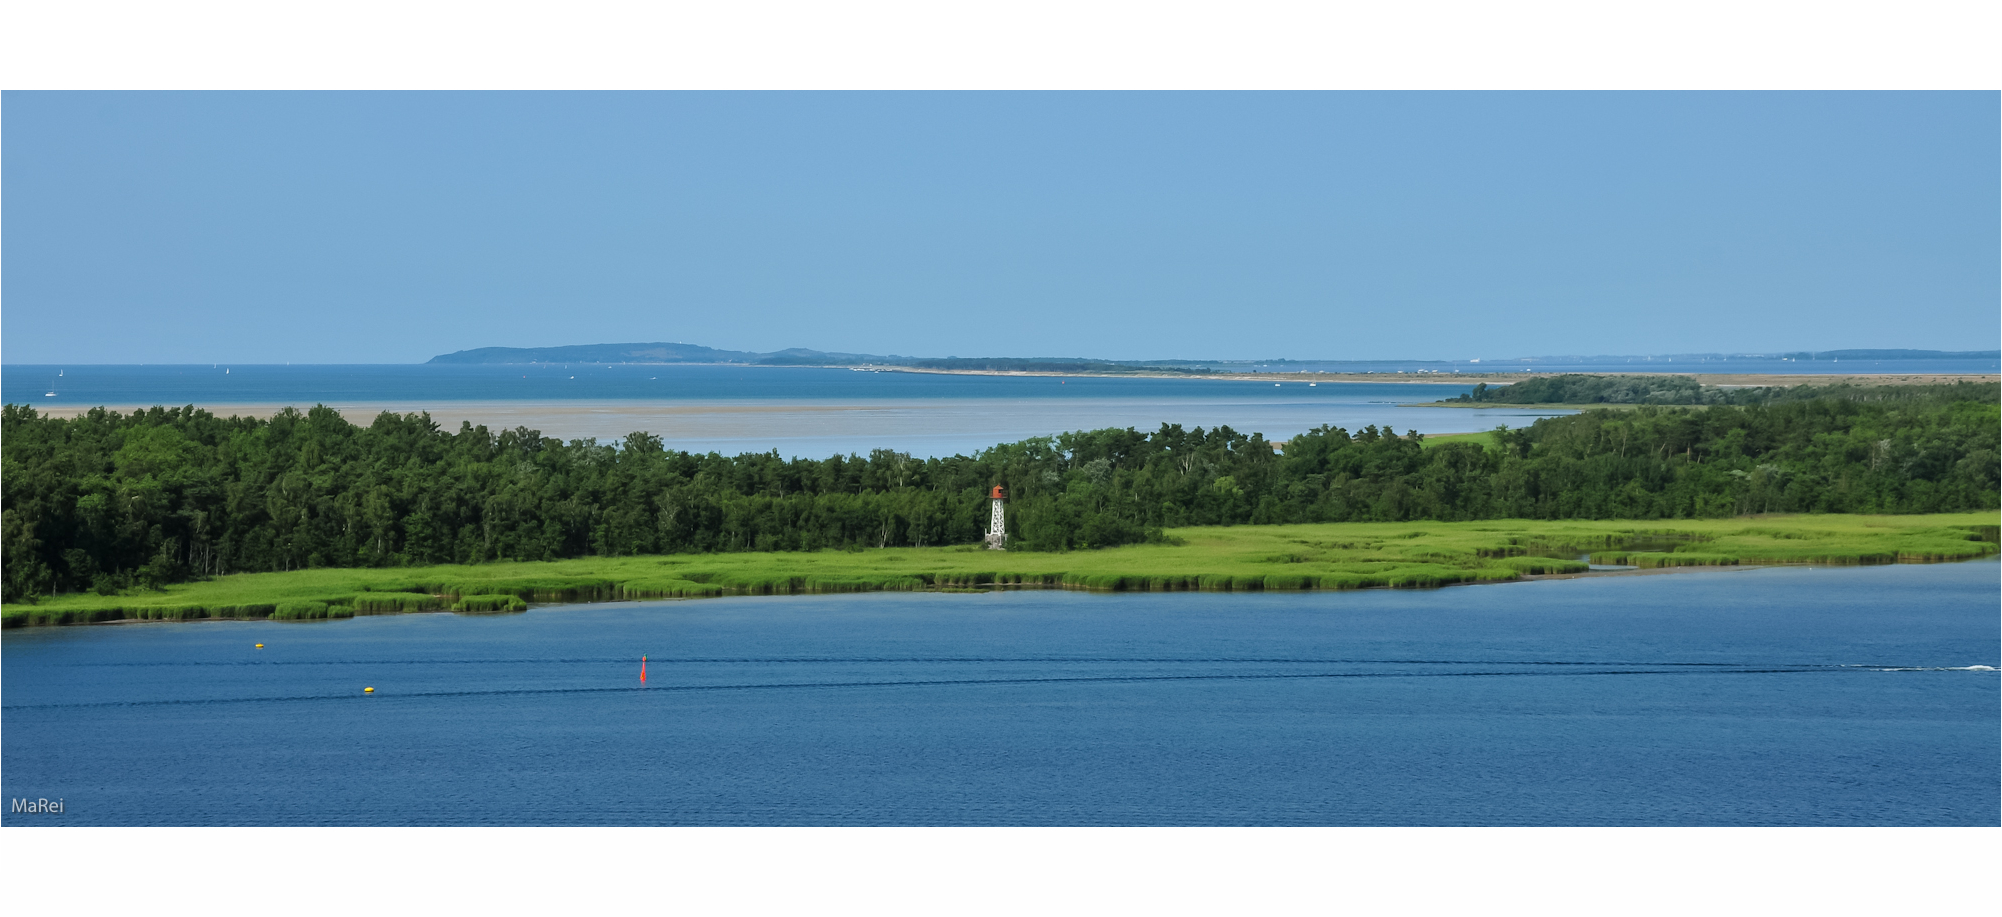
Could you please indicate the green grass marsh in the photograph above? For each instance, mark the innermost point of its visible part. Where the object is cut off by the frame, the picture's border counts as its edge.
(1234, 558)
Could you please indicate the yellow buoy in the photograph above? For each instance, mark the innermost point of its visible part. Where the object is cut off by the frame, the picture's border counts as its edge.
(368, 690)
(260, 646)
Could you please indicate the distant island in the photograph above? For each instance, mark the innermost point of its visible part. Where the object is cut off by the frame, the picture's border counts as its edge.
(676, 352)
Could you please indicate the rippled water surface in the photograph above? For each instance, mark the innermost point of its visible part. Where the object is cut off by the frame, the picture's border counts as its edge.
(1776, 696)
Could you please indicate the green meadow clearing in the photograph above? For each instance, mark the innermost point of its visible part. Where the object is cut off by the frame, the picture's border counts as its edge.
(1235, 558)
(1484, 439)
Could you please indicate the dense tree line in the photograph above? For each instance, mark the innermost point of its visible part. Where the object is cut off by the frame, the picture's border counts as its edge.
(1622, 389)
(107, 501)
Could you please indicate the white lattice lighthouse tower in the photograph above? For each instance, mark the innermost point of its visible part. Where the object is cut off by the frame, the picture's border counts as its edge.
(997, 528)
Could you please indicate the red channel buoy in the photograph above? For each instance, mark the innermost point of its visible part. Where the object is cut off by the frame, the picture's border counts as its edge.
(642, 670)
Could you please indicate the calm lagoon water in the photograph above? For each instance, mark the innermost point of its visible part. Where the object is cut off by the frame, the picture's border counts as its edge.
(799, 411)
(1759, 697)
(813, 412)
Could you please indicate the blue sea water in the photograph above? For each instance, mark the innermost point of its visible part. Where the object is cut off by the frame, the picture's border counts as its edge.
(1782, 696)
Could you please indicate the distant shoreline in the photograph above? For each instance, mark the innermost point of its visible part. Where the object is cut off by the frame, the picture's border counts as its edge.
(1494, 378)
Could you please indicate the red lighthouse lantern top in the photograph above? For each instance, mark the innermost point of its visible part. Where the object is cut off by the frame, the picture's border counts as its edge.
(997, 492)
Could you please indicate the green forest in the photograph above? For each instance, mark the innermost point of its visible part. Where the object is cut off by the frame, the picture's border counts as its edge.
(108, 501)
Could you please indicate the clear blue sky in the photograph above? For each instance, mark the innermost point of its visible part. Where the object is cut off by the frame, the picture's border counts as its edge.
(371, 227)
